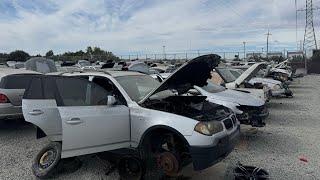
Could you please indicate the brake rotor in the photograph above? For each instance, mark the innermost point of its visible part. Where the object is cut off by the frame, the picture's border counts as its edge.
(168, 163)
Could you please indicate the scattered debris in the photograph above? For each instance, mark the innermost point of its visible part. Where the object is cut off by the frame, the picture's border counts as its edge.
(303, 159)
(242, 172)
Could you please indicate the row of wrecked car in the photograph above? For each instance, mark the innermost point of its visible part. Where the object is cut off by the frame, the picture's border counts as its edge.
(163, 121)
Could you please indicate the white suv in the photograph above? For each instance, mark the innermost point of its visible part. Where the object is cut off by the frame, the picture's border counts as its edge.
(85, 113)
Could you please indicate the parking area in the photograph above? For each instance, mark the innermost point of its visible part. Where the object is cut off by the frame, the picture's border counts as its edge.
(288, 147)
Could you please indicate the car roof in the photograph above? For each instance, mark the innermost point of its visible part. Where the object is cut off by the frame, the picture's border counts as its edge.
(10, 71)
(103, 72)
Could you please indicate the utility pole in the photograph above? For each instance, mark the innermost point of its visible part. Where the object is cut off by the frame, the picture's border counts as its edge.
(268, 34)
(164, 52)
(244, 50)
(309, 41)
(296, 7)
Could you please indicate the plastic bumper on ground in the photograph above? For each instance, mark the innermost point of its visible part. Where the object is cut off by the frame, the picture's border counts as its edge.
(205, 157)
(8, 111)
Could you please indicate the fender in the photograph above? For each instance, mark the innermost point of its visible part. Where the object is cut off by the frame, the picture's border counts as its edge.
(162, 127)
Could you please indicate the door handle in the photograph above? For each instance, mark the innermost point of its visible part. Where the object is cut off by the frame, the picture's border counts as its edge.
(74, 121)
(36, 112)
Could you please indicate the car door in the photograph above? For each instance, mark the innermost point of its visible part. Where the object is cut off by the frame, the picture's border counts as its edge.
(39, 107)
(89, 124)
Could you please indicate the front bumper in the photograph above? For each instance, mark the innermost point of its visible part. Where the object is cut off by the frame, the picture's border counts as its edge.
(255, 118)
(282, 92)
(206, 156)
(8, 111)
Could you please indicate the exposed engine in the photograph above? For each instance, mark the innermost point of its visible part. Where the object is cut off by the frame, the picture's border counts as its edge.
(195, 107)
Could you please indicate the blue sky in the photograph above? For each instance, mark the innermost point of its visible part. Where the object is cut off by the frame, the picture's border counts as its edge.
(130, 26)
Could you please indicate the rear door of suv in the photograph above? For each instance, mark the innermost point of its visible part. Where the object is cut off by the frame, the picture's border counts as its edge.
(89, 124)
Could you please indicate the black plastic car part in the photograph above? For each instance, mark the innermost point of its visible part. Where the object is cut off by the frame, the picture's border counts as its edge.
(242, 172)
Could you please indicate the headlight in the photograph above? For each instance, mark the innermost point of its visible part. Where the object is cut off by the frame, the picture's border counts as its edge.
(276, 87)
(209, 128)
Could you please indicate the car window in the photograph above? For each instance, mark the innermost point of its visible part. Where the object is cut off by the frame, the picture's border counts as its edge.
(86, 93)
(236, 73)
(213, 88)
(227, 75)
(19, 81)
(138, 86)
(110, 88)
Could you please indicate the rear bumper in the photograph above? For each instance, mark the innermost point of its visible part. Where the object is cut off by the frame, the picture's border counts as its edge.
(8, 111)
(206, 156)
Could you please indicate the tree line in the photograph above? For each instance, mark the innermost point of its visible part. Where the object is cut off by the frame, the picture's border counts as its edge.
(91, 53)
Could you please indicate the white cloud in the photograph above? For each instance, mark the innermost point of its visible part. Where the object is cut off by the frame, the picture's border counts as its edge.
(135, 25)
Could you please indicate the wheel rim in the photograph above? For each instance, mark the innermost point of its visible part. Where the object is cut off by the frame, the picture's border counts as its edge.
(168, 163)
(47, 159)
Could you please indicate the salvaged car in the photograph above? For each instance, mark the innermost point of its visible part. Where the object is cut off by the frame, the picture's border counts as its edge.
(278, 89)
(13, 83)
(85, 113)
(224, 76)
(249, 109)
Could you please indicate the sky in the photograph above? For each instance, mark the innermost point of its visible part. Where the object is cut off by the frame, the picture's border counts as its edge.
(145, 26)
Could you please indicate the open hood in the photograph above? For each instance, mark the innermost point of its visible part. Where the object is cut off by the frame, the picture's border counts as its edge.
(195, 72)
(250, 73)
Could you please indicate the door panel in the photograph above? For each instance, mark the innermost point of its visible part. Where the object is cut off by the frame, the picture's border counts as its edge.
(44, 114)
(92, 129)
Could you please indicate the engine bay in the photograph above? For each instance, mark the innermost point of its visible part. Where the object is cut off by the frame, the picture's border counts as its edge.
(195, 107)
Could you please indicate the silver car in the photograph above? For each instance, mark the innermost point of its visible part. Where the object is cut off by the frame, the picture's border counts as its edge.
(249, 109)
(13, 83)
(85, 113)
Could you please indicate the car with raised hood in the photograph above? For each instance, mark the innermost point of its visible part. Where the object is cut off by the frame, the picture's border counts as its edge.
(13, 83)
(224, 76)
(116, 110)
(278, 89)
(249, 109)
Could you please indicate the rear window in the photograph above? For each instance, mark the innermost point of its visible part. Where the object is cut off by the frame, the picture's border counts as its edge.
(67, 91)
(19, 81)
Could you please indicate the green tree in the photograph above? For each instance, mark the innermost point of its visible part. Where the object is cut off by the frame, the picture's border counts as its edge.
(49, 53)
(18, 55)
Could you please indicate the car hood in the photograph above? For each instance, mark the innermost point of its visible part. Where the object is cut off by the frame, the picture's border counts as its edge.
(195, 72)
(233, 96)
(249, 73)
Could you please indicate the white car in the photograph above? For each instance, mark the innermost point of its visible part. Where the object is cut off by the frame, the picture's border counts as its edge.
(241, 83)
(278, 89)
(249, 109)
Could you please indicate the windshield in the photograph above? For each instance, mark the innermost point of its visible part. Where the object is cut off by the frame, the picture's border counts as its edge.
(236, 72)
(138, 86)
(227, 75)
(84, 63)
(213, 88)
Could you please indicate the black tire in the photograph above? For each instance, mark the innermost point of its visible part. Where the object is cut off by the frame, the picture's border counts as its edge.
(45, 163)
(151, 169)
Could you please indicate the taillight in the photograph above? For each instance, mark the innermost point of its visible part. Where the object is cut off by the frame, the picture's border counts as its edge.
(4, 98)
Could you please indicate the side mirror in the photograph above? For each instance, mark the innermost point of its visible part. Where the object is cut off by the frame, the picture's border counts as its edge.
(111, 101)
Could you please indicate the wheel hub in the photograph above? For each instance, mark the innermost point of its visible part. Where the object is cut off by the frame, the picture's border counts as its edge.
(168, 163)
(47, 159)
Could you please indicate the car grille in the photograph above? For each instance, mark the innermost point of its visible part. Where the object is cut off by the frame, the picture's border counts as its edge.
(230, 122)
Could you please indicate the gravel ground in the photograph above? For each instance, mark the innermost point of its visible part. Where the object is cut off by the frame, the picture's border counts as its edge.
(292, 131)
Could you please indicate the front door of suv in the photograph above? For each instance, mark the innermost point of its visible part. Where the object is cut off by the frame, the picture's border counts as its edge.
(89, 124)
